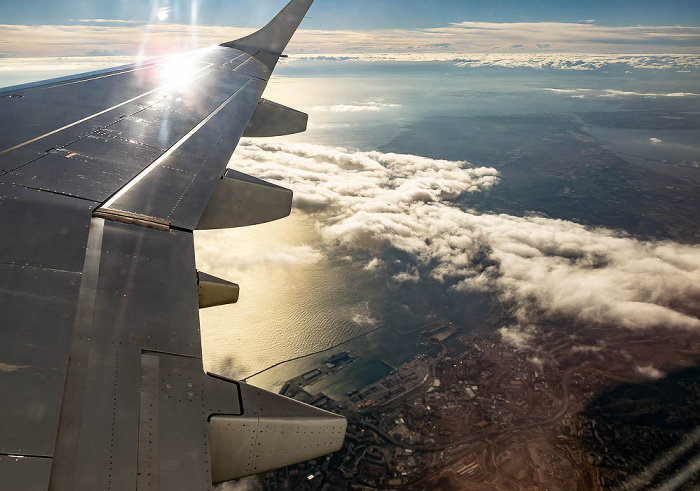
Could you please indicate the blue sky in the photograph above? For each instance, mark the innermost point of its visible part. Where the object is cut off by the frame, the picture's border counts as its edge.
(363, 14)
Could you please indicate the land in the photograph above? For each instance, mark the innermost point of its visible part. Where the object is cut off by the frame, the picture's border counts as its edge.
(480, 414)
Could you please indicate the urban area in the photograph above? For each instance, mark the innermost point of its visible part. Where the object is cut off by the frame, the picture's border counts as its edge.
(475, 412)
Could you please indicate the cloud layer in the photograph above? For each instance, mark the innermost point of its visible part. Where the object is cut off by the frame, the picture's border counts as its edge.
(464, 37)
(368, 202)
(614, 94)
(558, 61)
(356, 107)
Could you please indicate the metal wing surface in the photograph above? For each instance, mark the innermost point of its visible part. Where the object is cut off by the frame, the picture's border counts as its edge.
(103, 178)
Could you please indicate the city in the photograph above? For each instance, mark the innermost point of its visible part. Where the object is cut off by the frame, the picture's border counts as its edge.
(477, 412)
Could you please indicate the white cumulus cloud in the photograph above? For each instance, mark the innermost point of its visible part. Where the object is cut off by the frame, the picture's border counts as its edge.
(411, 275)
(375, 264)
(497, 58)
(518, 337)
(544, 268)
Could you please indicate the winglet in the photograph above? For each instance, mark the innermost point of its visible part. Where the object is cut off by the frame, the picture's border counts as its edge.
(274, 37)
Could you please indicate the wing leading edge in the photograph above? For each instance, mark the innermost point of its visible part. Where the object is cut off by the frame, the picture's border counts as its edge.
(103, 178)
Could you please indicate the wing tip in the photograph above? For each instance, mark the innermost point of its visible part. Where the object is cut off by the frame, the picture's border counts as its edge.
(274, 37)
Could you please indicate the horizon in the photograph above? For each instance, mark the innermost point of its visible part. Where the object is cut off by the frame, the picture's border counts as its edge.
(130, 28)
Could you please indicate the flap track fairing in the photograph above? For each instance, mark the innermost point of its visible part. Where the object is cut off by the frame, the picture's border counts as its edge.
(272, 119)
(240, 200)
(214, 291)
(272, 432)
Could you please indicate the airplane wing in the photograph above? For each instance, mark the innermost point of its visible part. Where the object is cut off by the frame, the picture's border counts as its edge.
(103, 179)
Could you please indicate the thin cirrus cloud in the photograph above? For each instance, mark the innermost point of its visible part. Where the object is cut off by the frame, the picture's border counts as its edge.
(370, 202)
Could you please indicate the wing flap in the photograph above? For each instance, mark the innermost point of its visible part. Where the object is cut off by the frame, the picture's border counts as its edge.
(25, 473)
(41, 255)
(138, 294)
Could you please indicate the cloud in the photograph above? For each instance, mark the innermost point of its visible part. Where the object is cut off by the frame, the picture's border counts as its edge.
(355, 107)
(573, 36)
(463, 37)
(540, 61)
(543, 268)
(649, 372)
(375, 264)
(586, 349)
(103, 52)
(365, 319)
(251, 483)
(230, 262)
(611, 93)
(106, 21)
(518, 337)
(35, 68)
(411, 275)
(103, 22)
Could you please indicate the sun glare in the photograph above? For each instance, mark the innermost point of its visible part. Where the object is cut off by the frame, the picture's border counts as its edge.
(179, 70)
(163, 13)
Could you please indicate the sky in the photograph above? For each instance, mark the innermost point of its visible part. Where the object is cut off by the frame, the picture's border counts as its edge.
(364, 14)
(129, 27)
